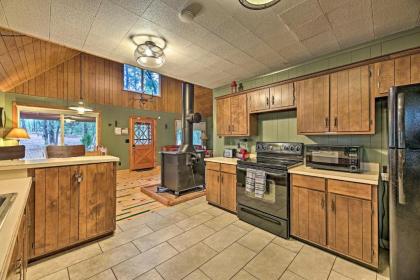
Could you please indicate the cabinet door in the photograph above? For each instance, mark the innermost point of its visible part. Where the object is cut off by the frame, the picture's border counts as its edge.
(415, 69)
(228, 191)
(259, 100)
(313, 105)
(239, 115)
(351, 100)
(350, 226)
(384, 77)
(402, 71)
(223, 116)
(19, 260)
(308, 215)
(282, 96)
(213, 186)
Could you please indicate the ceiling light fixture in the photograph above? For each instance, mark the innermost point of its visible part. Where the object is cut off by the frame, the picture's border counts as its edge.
(258, 4)
(188, 14)
(81, 108)
(149, 54)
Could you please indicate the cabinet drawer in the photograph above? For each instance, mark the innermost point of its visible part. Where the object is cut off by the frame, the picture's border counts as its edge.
(352, 189)
(309, 182)
(228, 168)
(213, 166)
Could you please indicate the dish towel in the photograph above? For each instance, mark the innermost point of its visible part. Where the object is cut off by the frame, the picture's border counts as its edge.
(260, 183)
(250, 180)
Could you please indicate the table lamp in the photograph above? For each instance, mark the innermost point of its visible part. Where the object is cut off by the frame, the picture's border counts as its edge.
(17, 134)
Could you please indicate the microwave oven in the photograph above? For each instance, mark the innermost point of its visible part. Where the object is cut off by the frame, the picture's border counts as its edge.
(334, 157)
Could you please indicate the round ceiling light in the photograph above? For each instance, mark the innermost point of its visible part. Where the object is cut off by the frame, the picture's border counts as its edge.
(258, 4)
(149, 54)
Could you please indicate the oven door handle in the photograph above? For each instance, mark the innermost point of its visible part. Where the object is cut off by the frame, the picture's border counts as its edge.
(280, 174)
(264, 217)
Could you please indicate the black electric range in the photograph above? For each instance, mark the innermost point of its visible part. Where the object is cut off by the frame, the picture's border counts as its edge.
(271, 210)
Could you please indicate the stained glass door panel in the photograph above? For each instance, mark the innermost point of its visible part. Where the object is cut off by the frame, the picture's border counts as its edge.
(142, 140)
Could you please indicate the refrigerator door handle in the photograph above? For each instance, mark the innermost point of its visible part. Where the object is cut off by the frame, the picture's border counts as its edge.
(401, 162)
(392, 117)
(401, 121)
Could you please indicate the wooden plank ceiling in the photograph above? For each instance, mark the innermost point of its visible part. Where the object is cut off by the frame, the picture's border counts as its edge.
(23, 58)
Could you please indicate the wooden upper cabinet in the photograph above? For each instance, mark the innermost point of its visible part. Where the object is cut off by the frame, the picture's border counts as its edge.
(383, 77)
(259, 100)
(239, 114)
(223, 116)
(402, 71)
(351, 101)
(233, 118)
(282, 96)
(313, 99)
(415, 69)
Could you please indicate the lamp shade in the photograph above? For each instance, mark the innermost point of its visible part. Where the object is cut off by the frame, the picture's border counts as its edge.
(17, 133)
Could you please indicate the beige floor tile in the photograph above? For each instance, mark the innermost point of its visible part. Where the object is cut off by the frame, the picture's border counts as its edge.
(198, 200)
(60, 262)
(353, 270)
(138, 220)
(124, 237)
(150, 275)
(105, 275)
(290, 244)
(256, 239)
(243, 275)
(117, 229)
(97, 264)
(381, 277)
(195, 209)
(228, 263)
(144, 262)
(224, 238)
(221, 221)
(166, 221)
(337, 276)
(244, 225)
(312, 263)
(214, 211)
(186, 262)
(271, 262)
(191, 237)
(197, 275)
(288, 275)
(59, 275)
(148, 241)
(166, 211)
(194, 221)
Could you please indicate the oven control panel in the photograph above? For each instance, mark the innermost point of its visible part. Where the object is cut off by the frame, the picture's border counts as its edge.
(280, 148)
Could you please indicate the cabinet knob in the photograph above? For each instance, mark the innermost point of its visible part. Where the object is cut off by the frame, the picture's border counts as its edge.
(332, 205)
(326, 122)
(322, 203)
(335, 122)
(272, 100)
(268, 101)
(78, 177)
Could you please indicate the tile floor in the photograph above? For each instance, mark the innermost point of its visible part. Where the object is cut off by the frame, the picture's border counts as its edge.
(194, 240)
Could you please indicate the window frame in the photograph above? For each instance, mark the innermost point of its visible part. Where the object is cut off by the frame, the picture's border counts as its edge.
(142, 81)
(17, 108)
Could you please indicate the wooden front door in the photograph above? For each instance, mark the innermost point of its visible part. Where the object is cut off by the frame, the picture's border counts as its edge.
(142, 143)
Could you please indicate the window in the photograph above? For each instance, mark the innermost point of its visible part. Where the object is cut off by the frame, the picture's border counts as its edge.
(198, 130)
(141, 80)
(56, 127)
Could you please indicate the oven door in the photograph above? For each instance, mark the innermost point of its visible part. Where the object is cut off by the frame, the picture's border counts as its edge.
(275, 200)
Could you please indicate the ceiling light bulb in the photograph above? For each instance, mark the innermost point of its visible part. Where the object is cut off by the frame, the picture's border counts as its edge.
(258, 4)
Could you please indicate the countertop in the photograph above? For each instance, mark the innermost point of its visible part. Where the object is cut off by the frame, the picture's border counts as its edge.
(10, 227)
(223, 160)
(39, 163)
(370, 174)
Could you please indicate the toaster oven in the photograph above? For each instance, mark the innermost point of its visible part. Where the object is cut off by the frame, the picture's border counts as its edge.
(333, 157)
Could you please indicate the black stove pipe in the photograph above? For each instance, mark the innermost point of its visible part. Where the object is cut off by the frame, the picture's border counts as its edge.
(188, 118)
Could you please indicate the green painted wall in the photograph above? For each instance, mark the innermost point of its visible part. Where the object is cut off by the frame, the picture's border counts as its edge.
(116, 145)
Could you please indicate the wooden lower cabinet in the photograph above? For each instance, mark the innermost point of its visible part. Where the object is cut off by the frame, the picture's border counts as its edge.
(71, 204)
(19, 261)
(221, 185)
(343, 218)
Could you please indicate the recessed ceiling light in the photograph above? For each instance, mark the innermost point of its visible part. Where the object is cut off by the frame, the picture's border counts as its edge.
(258, 4)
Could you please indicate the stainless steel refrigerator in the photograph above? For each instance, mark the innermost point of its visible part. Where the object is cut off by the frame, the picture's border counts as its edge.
(404, 190)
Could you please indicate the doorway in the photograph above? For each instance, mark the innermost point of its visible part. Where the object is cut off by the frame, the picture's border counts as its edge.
(142, 143)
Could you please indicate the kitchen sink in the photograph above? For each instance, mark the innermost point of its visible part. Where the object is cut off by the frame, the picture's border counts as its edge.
(6, 201)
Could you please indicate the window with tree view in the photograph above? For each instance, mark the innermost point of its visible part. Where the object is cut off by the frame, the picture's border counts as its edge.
(141, 80)
(56, 128)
